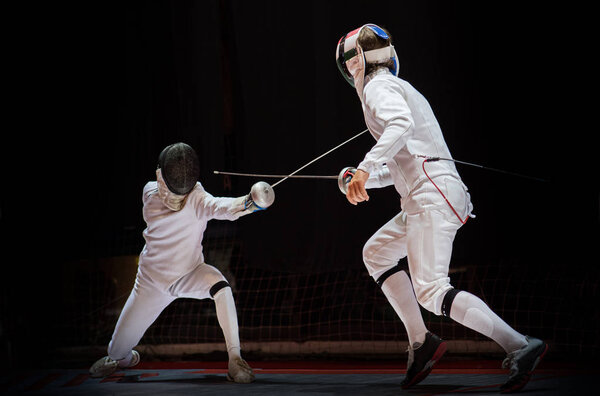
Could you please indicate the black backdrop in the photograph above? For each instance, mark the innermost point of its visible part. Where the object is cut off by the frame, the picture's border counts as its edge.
(253, 87)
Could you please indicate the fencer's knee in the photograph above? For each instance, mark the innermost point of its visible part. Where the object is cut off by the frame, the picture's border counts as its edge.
(448, 300)
(211, 274)
(217, 287)
(383, 277)
(367, 254)
(376, 264)
(431, 296)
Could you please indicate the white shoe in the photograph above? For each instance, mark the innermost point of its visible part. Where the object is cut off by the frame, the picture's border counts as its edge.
(106, 366)
(240, 371)
(103, 367)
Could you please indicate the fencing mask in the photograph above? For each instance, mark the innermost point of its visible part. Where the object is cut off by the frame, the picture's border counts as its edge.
(179, 167)
(351, 59)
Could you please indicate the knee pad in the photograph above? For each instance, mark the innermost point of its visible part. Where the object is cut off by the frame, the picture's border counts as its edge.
(447, 301)
(216, 287)
(387, 274)
(430, 295)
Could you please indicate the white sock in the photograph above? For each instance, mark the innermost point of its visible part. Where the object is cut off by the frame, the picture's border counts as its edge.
(472, 312)
(227, 317)
(399, 292)
(126, 361)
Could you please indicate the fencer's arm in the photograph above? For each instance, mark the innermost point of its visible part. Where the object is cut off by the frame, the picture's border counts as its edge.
(221, 208)
(388, 105)
(261, 196)
(379, 178)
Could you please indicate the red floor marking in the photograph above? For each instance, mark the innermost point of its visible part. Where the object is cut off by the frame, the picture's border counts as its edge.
(146, 375)
(113, 378)
(327, 371)
(326, 365)
(349, 367)
(39, 384)
(77, 380)
(179, 365)
(208, 371)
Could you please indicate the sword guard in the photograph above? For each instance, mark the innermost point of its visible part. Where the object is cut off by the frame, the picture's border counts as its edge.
(344, 178)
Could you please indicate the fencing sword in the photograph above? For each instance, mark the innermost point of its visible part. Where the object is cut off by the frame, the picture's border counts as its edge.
(293, 174)
(262, 193)
(262, 190)
(433, 159)
(426, 157)
(274, 176)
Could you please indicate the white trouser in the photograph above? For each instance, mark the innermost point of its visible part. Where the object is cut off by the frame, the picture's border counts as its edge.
(424, 232)
(147, 300)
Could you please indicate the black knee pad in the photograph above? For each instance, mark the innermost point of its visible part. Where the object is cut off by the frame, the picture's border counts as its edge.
(387, 274)
(448, 300)
(218, 286)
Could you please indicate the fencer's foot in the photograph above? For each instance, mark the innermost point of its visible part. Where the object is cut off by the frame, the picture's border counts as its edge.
(521, 363)
(239, 371)
(106, 366)
(135, 359)
(103, 367)
(421, 358)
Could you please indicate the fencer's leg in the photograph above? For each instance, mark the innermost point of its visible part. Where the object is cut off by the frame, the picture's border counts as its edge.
(381, 255)
(470, 311)
(429, 252)
(144, 305)
(238, 370)
(227, 317)
(396, 286)
(141, 309)
(207, 281)
(425, 348)
(523, 353)
(429, 244)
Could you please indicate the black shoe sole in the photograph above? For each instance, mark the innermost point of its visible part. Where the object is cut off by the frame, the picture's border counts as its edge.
(521, 384)
(439, 352)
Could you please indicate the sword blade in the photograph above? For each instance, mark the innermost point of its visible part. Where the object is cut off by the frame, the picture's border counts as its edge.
(273, 176)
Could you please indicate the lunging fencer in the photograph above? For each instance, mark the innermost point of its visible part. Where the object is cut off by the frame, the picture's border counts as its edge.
(435, 203)
(176, 209)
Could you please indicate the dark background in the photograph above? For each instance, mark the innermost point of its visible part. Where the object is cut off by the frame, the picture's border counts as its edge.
(101, 88)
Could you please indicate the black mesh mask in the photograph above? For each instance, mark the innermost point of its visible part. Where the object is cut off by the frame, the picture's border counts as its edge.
(179, 167)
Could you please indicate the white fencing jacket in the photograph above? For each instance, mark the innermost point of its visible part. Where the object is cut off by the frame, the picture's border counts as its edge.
(403, 123)
(174, 238)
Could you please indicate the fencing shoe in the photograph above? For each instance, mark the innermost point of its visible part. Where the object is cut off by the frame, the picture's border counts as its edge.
(521, 363)
(421, 358)
(103, 367)
(239, 371)
(106, 366)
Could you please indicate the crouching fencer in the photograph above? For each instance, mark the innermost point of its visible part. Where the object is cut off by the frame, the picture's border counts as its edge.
(435, 203)
(176, 209)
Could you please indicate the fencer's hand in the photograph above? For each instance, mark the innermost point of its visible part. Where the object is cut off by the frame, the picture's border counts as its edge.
(250, 206)
(260, 198)
(356, 188)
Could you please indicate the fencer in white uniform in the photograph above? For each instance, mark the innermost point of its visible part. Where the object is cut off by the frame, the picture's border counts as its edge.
(435, 203)
(176, 209)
